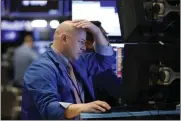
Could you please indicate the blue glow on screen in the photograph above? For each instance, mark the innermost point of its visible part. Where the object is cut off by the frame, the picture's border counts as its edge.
(9, 36)
(98, 10)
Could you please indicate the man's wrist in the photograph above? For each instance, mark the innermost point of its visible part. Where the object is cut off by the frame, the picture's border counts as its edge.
(73, 110)
(97, 33)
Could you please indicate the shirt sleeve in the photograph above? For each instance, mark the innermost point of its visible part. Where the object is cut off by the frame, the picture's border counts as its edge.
(98, 61)
(103, 49)
(65, 104)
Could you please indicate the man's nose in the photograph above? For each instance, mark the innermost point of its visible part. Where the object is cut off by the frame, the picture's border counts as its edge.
(83, 48)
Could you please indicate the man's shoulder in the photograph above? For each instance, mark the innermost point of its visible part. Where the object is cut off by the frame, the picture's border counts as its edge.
(42, 63)
(22, 50)
(42, 68)
(42, 59)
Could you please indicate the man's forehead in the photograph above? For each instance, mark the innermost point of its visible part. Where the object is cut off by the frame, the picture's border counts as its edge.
(80, 31)
(68, 28)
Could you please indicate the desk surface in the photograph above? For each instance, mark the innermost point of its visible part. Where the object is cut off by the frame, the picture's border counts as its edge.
(128, 114)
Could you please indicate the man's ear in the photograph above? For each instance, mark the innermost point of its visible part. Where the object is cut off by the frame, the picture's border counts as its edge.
(64, 38)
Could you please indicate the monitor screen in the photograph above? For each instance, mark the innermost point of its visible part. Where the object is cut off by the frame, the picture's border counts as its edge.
(131, 15)
(35, 7)
(137, 63)
(96, 10)
(10, 36)
(13, 30)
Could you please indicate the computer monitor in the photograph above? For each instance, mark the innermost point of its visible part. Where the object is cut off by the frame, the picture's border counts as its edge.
(35, 8)
(99, 10)
(138, 59)
(131, 15)
(136, 27)
(10, 36)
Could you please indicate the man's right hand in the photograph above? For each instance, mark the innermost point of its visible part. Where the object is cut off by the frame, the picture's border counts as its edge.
(96, 106)
(75, 109)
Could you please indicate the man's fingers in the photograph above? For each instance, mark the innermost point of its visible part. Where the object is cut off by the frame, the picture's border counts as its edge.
(78, 20)
(94, 111)
(103, 104)
(99, 108)
(86, 27)
(80, 25)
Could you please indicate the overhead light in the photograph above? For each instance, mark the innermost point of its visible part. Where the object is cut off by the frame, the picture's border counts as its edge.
(39, 23)
(25, 3)
(28, 26)
(54, 24)
(34, 2)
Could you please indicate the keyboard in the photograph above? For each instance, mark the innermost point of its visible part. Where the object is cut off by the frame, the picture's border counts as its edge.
(129, 114)
(134, 111)
(143, 107)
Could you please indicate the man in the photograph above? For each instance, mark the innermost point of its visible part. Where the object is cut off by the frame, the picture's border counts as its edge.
(106, 84)
(58, 85)
(23, 57)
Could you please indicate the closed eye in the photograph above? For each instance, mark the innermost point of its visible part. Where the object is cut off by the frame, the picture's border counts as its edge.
(82, 41)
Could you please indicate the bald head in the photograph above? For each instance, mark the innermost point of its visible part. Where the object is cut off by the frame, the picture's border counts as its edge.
(65, 27)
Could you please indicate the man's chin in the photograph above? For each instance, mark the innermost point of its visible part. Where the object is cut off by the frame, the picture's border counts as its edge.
(76, 57)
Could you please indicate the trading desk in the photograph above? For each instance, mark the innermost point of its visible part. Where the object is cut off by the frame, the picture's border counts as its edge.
(149, 114)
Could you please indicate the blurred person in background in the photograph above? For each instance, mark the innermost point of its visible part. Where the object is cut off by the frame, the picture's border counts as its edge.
(24, 55)
(106, 84)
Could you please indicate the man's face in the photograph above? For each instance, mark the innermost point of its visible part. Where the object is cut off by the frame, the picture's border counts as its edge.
(76, 44)
(29, 40)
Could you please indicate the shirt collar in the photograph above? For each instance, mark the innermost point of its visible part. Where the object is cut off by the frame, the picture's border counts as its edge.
(61, 58)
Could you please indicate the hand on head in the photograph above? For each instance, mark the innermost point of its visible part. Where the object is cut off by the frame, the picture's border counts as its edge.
(84, 24)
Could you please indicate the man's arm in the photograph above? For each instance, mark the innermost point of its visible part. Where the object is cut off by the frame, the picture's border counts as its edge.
(97, 34)
(75, 109)
(103, 58)
(41, 82)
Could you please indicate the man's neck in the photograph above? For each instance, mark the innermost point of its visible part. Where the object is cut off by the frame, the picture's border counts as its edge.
(59, 51)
